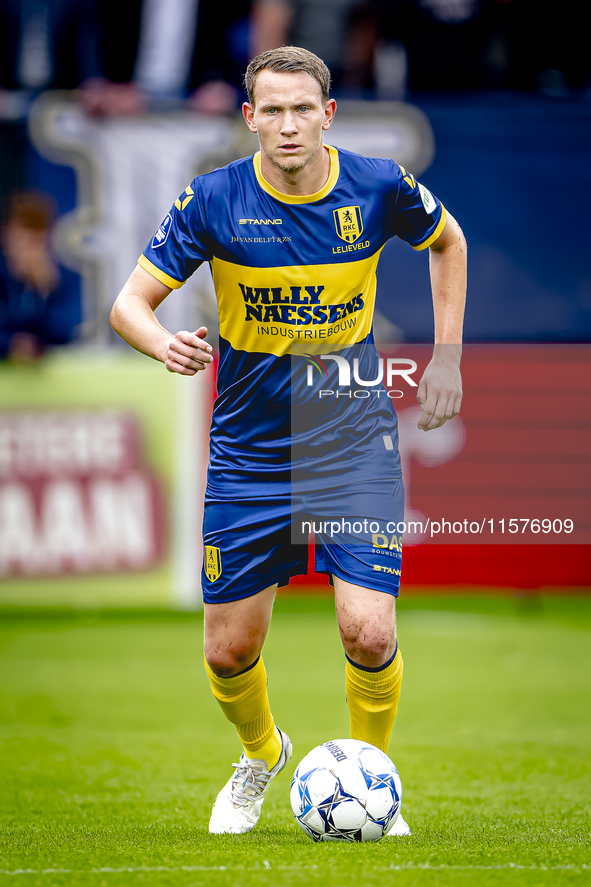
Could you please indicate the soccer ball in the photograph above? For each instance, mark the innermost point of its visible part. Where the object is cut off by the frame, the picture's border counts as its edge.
(346, 790)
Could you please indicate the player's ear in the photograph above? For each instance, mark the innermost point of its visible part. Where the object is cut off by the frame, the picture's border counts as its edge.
(329, 111)
(248, 114)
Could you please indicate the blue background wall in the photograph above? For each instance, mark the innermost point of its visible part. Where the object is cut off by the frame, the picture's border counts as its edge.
(515, 171)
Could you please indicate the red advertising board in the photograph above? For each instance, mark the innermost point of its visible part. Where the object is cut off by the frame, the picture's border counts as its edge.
(500, 496)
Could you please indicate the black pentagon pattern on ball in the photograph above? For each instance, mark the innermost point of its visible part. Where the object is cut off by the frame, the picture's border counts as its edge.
(308, 805)
(325, 808)
(383, 780)
(328, 807)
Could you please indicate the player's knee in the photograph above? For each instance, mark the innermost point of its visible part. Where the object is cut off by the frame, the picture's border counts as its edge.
(229, 660)
(369, 645)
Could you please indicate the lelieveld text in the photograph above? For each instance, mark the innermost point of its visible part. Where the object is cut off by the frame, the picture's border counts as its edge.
(351, 247)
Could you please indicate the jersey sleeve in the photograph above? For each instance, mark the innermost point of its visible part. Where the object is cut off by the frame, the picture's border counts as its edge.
(180, 244)
(417, 216)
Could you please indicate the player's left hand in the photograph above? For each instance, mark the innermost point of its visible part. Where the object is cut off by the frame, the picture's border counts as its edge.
(440, 390)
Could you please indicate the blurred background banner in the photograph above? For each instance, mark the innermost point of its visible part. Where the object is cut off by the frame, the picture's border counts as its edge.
(106, 114)
(102, 464)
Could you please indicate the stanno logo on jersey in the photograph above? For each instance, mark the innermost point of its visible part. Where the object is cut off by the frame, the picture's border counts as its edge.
(378, 568)
(161, 235)
(348, 223)
(212, 562)
(260, 221)
(185, 198)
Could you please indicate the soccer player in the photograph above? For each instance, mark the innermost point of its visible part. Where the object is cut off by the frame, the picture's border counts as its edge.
(293, 236)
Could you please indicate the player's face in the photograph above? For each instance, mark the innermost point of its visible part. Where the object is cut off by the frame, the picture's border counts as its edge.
(289, 117)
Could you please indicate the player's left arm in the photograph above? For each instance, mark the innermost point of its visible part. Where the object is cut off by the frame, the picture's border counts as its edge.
(440, 389)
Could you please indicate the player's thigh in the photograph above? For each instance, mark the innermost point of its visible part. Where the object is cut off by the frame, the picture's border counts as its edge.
(358, 533)
(248, 547)
(235, 631)
(367, 622)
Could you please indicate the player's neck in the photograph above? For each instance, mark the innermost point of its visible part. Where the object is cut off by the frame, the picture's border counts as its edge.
(312, 178)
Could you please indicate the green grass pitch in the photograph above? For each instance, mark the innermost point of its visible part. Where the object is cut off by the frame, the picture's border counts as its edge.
(112, 749)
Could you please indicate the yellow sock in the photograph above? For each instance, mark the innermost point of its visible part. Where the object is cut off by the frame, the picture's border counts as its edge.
(372, 697)
(244, 701)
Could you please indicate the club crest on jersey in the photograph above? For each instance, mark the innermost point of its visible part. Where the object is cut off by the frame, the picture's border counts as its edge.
(348, 223)
(212, 562)
(161, 235)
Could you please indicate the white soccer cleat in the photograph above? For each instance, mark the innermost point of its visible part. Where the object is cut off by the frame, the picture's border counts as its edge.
(238, 806)
(399, 828)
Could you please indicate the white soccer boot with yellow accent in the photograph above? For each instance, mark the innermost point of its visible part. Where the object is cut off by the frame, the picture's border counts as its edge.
(399, 828)
(238, 806)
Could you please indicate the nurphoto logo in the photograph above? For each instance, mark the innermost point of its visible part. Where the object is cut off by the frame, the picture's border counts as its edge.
(387, 370)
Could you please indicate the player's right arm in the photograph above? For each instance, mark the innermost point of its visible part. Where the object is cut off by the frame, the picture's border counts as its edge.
(133, 318)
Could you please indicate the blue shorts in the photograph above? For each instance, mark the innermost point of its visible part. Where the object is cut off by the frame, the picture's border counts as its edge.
(253, 543)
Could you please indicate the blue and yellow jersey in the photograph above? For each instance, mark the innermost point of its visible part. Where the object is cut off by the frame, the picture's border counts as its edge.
(295, 277)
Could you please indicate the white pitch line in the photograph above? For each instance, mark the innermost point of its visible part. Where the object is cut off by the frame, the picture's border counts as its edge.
(405, 866)
(136, 868)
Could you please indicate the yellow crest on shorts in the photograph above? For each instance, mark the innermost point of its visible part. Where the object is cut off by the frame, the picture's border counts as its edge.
(348, 223)
(212, 562)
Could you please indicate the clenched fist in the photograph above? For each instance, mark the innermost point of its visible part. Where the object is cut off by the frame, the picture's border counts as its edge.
(188, 352)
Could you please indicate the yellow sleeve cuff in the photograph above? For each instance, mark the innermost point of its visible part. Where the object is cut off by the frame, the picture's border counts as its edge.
(433, 237)
(160, 275)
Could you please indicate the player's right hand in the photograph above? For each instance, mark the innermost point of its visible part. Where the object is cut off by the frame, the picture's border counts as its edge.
(187, 353)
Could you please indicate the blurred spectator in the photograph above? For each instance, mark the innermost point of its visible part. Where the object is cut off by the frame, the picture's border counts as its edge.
(58, 44)
(375, 47)
(547, 44)
(476, 44)
(39, 306)
(166, 41)
(48, 43)
(122, 58)
(343, 33)
(372, 46)
(220, 56)
(444, 40)
(177, 49)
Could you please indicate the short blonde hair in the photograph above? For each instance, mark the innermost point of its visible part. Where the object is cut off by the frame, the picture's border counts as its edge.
(288, 59)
